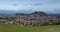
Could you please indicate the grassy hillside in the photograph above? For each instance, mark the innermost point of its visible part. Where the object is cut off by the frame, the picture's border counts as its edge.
(15, 28)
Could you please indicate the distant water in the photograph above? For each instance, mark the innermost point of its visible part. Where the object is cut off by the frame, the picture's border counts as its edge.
(8, 12)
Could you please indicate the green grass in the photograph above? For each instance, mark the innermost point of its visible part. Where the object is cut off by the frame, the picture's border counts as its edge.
(15, 28)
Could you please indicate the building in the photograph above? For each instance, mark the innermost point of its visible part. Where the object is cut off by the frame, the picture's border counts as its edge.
(34, 19)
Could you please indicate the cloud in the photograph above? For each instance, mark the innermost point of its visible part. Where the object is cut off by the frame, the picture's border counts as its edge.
(37, 4)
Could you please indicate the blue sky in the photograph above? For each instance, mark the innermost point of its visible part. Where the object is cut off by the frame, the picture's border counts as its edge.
(38, 5)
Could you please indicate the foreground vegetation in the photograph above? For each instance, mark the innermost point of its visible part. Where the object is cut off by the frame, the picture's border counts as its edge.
(16, 28)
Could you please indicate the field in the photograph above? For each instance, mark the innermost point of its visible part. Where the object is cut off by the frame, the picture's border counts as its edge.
(15, 28)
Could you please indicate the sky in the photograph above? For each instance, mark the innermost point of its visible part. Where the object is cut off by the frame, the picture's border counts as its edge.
(36, 5)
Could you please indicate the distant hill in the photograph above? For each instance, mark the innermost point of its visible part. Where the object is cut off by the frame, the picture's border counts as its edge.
(12, 12)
